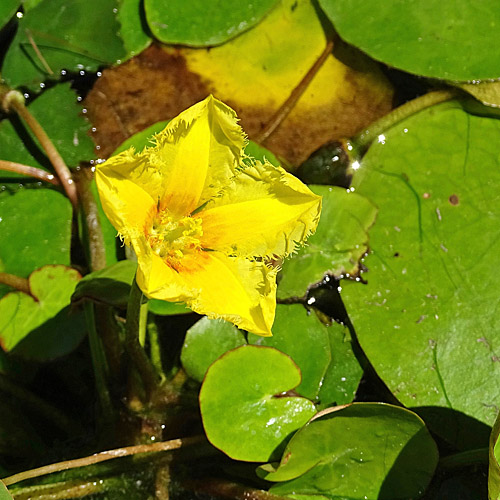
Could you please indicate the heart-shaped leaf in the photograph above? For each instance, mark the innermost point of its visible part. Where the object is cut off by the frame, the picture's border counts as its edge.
(427, 317)
(205, 341)
(40, 325)
(362, 451)
(435, 39)
(244, 409)
(340, 241)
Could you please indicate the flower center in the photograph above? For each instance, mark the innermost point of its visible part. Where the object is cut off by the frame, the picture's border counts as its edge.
(172, 237)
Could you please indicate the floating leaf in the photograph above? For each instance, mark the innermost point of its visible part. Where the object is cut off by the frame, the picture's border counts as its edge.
(108, 286)
(4, 492)
(427, 317)
(368, 450)
(68, 131)
(340, 241)
(133, 31)
(437, 39)
(76, 35)
(35, 230)
(305, 339)
(244, 410)
(494, 459)
(40, 325)
(486, 92)
(200, 24)
(254, 74)
(205, 341)
(7, 10)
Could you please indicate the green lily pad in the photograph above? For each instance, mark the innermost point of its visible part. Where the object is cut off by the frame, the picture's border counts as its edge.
(4, 492)
(200, 24)
(303, 337)
(368, 450)
(205, 341)
(337, 246)
(437, 38)
(494, 463)
(427, 317)
(245, 413)
(486, 92)
(133, 31)
(35, 230)
(68, 131)
(80, 35)
(40, 325)
(110, 285)
(7, 10)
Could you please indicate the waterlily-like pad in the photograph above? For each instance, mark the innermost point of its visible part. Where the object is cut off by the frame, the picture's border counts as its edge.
(245, 413)
(133, 29)
(77, 35)
(7, 10)
(366, 450)
(435, 39)
(68, 131)
(340, 241)
(4, 492)
(494, 462)
(486, 92)
(427, 318)
(35, 230)
(303, 337)
(200, 24)
(40, 325)
(205, 341)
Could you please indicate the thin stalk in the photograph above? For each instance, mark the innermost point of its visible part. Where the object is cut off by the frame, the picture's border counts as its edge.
(99, 364)
(38, 405)
(173, 444)
(97, 250)
(13, 100)
(220, 488)
(155, 350)
(296, 94)
(63, 490)
(362, 140)
(37, 173)
(133, 327)
(21, 284)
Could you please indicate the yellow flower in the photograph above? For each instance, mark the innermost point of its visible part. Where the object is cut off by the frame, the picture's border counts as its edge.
(204, 219)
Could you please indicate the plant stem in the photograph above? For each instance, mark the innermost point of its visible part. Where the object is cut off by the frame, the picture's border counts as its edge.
(363, 140)
(37, 173)
(14, 100)
(99, 364)
(287, 106)
(34, 403)
(225, 489)
(155, 350)
(173, 444)
(21, 284)
(97, 251)
(64, 489)
(133, 328)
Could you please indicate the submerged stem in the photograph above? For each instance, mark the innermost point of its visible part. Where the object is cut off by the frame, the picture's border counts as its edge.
(21, 284)
(133, 328)
(362, 140)
(13, 100)
(37, 173)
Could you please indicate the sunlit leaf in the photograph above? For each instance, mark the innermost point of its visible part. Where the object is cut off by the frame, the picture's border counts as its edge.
(367, 450)
(199, 24)
(35, 230)
(437, 39)
(340, 241)
(486, 92)
(7, 10)
(205, 341)
(133, 28)
(427, 317)
(4, 492)
(40, 325)
(244, 411)
(67, 129)
(77, 35)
